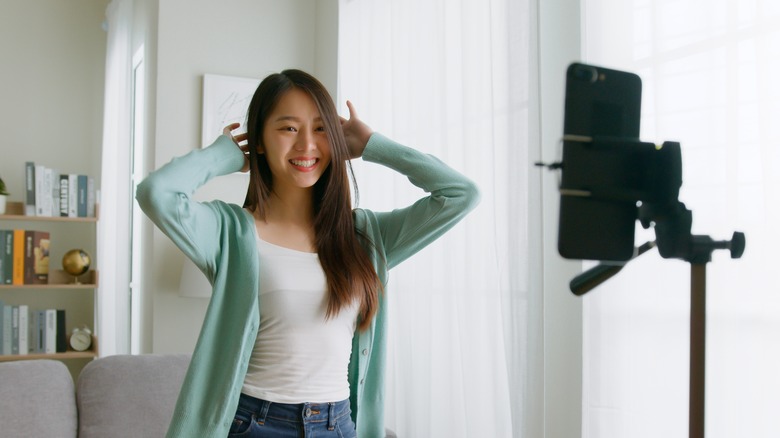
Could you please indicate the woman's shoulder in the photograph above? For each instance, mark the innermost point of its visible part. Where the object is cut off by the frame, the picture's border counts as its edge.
(364, 219)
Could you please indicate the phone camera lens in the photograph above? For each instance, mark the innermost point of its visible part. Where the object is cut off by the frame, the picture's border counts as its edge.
(586, 73)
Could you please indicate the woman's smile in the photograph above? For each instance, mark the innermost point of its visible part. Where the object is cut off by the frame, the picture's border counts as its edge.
(304, 164)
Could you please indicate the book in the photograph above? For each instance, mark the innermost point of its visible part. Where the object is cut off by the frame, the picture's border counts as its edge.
(7, 254)
(51, 331)
(3, 261)
(39, 171)
(62, 336)
(55, 192)
(35, 332)
(14, 329)
(64, 194)
(90, 197)
(40, 253)
(7, 328)
(82, 195)
(18, 258)
(47, 209)
(29, 188)
(73, 195)
(29, 259)
(24, 329)
(2, 325)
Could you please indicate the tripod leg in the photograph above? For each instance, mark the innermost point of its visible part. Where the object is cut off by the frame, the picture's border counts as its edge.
(698, 341)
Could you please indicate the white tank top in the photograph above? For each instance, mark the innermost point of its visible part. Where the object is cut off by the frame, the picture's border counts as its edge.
(299, 356)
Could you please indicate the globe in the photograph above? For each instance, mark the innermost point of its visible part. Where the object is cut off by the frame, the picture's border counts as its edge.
(76, 262)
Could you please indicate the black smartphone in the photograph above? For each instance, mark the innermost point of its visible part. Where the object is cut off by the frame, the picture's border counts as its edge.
(600, 103)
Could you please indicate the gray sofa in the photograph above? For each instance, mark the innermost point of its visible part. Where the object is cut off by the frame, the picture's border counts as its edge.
(116, 396)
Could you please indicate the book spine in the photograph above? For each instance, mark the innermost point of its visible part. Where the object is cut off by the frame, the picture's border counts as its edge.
(8, 256)
(91, 197)
(62, 343)
(55, 192)
(29, 188)
(18, 258)
(73, 195)
(39, 171)
(29, 258)
(24, 329)
(51, 331)
(7, 329)
(15, 330)
(41, 331)
(40, 265)
(63, 199)
(2, 256)
(33, 338)
(82, 196)
(2, 327)
(47, 189)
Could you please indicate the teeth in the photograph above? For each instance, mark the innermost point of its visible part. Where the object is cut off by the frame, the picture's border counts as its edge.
(304, 163)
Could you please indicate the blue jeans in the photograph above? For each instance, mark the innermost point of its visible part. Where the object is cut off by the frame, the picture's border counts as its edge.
(261, 418)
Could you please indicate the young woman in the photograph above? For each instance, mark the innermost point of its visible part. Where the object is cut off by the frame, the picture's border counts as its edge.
(293, 341)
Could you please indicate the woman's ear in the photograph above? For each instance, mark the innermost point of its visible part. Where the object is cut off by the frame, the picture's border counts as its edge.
(259, 149)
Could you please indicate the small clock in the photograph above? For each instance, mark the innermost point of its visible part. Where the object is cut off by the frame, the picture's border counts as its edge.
(81, 339)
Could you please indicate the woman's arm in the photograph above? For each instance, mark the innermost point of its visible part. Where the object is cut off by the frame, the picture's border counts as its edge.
(451, 196)
(407, 230)
(166, 197)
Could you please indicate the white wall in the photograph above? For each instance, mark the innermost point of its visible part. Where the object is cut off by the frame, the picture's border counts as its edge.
(51, 83)
(247, 38)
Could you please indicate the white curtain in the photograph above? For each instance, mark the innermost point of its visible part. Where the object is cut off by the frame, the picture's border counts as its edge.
(115, 182)
(451, 78)
(709, 73)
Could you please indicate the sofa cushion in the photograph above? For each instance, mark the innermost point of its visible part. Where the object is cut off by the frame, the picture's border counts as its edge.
(129, 396)
(38, 399)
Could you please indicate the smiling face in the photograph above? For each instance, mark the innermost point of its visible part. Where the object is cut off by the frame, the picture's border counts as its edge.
(295, 144)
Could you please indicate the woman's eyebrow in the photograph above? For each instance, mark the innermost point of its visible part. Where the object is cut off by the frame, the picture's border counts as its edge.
(294, 119)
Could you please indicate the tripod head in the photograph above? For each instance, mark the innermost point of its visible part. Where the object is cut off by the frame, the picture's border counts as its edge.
(610, 179)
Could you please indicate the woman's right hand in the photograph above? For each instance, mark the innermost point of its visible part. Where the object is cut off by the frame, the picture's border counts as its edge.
(238, 139)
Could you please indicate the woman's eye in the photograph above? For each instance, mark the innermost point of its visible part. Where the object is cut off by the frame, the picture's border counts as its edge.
(289, 129)
(320, 129)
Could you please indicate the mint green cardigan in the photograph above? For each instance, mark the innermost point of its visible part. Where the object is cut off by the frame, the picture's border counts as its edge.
(220, 239)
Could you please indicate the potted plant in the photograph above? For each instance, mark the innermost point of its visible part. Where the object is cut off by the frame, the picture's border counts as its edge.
(3, 196)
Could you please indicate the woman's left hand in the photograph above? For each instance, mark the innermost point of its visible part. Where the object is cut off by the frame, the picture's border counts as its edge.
(356, 132)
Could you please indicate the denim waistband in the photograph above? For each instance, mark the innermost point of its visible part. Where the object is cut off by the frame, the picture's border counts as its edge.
(296, 412)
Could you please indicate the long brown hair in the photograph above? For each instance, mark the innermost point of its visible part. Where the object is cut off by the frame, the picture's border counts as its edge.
(348, 269)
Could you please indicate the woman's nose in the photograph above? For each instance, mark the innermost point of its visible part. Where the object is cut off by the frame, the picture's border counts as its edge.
(306, 140)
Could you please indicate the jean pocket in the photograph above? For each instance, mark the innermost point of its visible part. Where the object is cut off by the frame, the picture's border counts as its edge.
(242, 423)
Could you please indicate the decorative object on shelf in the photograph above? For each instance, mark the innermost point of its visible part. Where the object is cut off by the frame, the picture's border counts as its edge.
(76, 262)
(81, 339)
(3, 196)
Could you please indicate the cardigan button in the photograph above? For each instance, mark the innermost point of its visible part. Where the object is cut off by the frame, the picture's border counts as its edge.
(365, 352)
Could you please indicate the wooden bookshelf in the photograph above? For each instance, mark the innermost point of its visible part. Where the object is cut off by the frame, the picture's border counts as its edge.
(70, 354)
(15, 211)
(59, 279)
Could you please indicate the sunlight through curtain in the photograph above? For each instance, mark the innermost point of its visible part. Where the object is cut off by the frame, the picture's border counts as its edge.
(115, 179)
(708, 69)
(452, 79)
